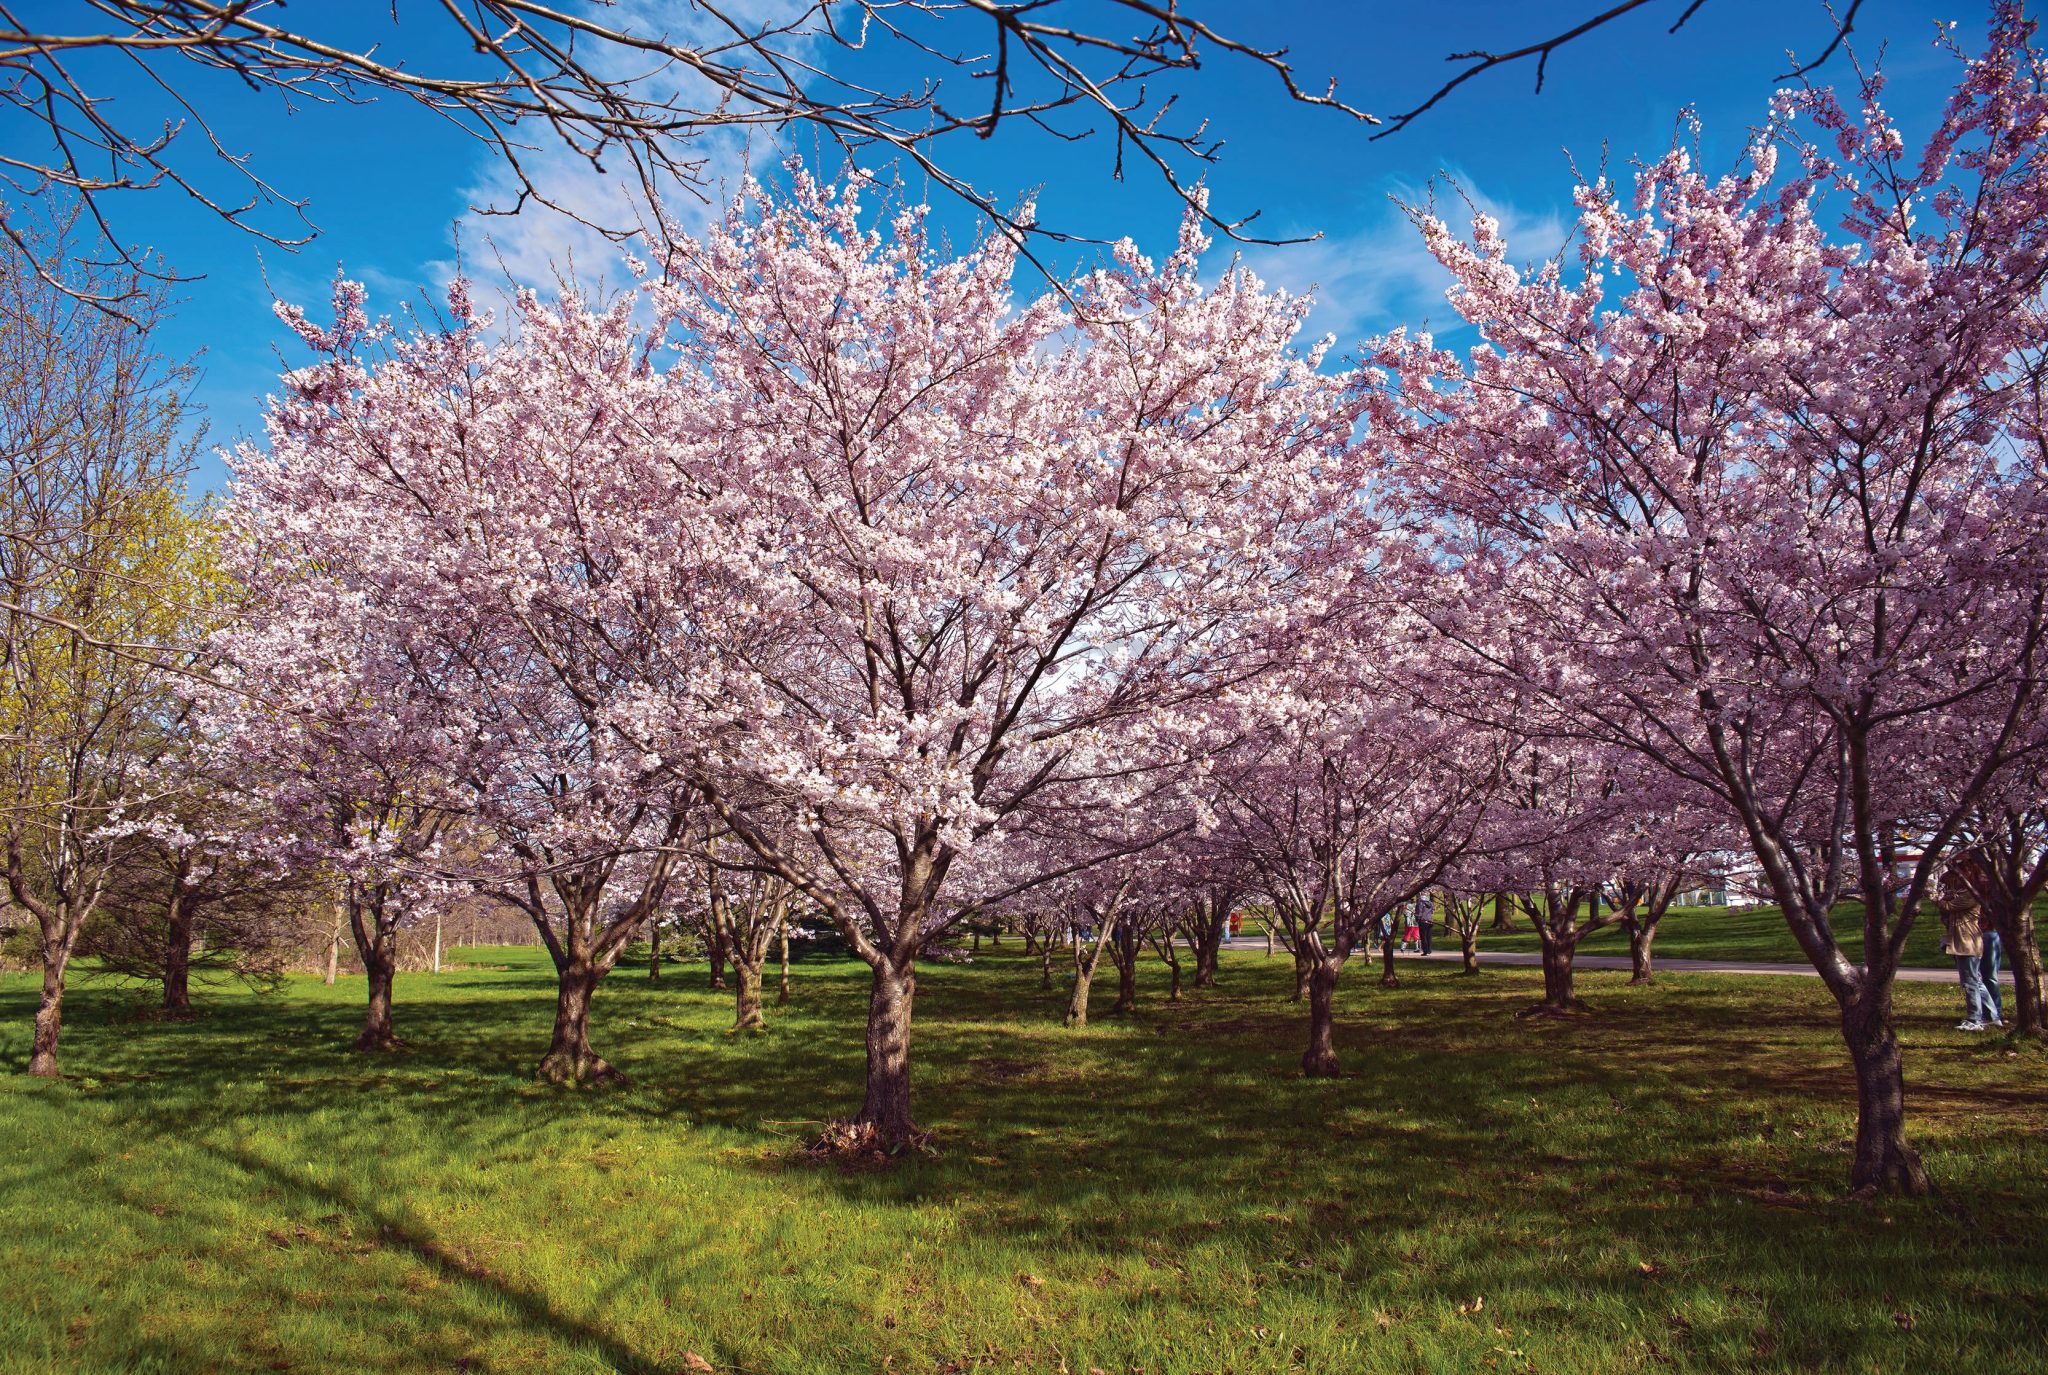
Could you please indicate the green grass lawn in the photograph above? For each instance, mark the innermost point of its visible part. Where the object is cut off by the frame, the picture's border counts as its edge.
(1722, 933)
(1654, 1187)
(1756, 934)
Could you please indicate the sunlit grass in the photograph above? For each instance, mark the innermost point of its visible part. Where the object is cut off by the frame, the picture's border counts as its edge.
(1652, 1187)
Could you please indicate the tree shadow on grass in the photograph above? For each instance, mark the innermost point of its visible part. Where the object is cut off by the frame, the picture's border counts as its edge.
(392, 1231)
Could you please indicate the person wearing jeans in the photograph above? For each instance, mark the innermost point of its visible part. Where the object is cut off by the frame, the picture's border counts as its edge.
(1987, 976)
(1962, 919)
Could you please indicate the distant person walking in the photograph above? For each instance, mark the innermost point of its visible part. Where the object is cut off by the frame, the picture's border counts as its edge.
(1425, 916)
(1971, 870)
(1962, 919)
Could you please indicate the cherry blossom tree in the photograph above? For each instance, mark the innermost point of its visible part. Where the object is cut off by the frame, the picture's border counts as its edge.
(437, 483)
(999, 547)
(747, 907)
(313, 708)
(1354, 796)
(1464, 912)
(192, 891)
(1590, 837)
(1759, 500)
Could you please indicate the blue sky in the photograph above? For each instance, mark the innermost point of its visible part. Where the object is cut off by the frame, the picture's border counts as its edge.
(390, 186)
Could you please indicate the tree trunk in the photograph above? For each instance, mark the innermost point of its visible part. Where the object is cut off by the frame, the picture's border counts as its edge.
(377, 947)
(333, 956)
(178, 960)
(886, 1108)
(1030, 944)
(380, 966)
(654, 953)
(1269, 942)
(782, 936)
(747, 996)
(717, 960)
(1557, 976)
(1172, 958)
(42, 1058)
(1126, 940)
(1642, 934)
(1208, 945)
(570, 1060)
(1388, 978)
(1468, 949)
(437, 942)
(1077, 1006)
(1320, 1060)
(1045, 965)
(1884, 1163)
(1301, 976)
(1503, 913)
(1086, 962)
(2023, 956)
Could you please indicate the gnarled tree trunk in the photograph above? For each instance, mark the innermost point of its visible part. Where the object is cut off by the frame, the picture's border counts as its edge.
(1320, 1059)
(1388, 978)
(1558, 994)
(1642, 935)
(42, 1056)
(1468, 951)
(569, 1059)
(747, 997)
(886, 1108)
(654, 954)
(718, 955)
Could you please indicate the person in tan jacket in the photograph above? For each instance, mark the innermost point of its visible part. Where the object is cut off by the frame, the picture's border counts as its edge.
(1963, 920)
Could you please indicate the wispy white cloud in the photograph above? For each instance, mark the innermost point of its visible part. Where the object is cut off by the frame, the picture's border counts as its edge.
(1374, 273)
(539, 245)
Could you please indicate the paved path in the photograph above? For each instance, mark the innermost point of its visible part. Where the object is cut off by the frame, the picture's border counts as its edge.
(1662, 965)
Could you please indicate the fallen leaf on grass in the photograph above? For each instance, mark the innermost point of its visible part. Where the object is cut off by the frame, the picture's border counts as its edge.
(696, 1364)
(1477, 1303)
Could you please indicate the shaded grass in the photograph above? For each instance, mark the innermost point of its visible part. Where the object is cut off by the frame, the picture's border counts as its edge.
(1653, 1187)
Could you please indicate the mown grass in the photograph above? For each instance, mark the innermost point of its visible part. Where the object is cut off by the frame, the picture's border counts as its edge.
(1756, 934)
(1742, 935)
(1654, 1187)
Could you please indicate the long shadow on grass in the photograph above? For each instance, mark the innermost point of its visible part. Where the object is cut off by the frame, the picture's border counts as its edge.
(394, 1232)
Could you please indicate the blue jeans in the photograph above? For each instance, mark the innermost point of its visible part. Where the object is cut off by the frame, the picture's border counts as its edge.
(1975, 1005)
(1987, 973)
